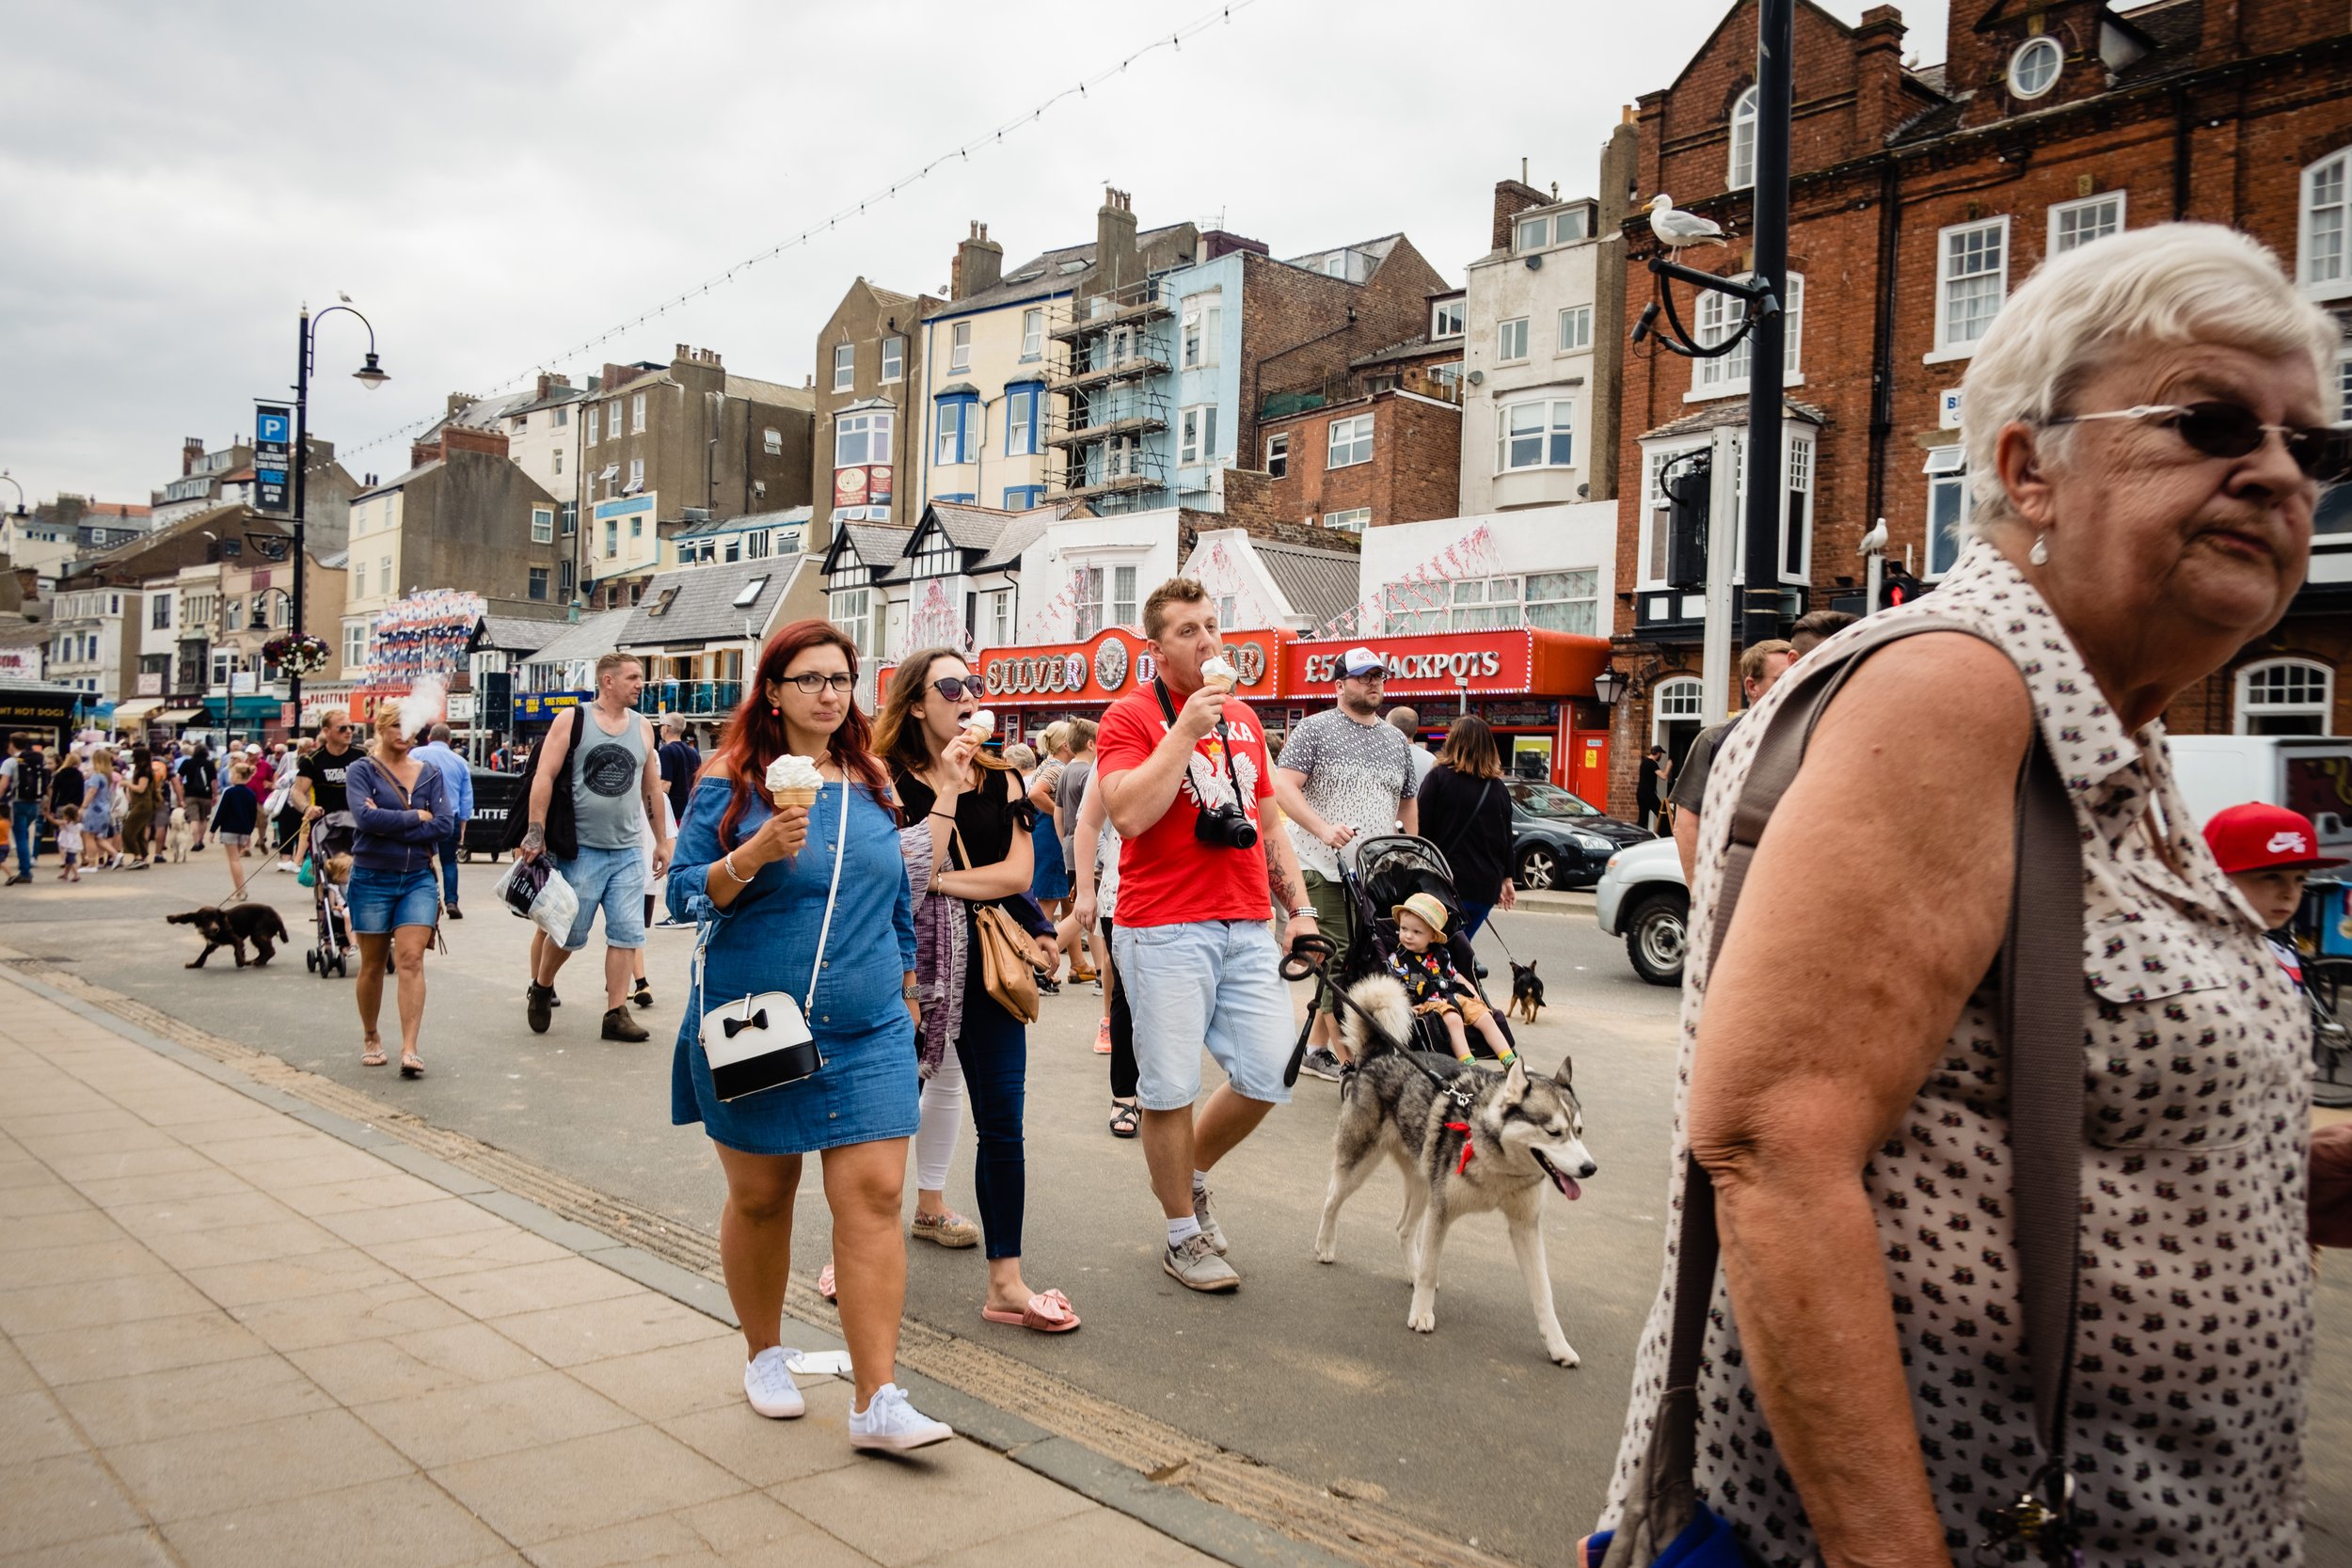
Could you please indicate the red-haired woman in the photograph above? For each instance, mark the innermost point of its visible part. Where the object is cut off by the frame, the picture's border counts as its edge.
(756, 880)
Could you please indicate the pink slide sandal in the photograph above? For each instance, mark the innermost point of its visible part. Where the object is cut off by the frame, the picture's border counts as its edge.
(1049, 1313)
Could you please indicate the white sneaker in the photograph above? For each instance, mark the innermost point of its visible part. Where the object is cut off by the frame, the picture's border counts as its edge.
(889, 1422)
(768, 1383)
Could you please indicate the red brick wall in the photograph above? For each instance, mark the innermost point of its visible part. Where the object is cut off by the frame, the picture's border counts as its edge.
(1414, 473)
(1296, 334)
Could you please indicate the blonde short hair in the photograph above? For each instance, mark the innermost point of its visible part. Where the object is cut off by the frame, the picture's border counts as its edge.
(2168, 285)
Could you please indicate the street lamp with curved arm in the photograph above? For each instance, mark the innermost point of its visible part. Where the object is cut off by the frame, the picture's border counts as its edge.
(370, 374)
(19, 491)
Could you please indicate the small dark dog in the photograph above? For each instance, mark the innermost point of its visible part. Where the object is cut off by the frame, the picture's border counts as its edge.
(232, 928)
(1527, 992)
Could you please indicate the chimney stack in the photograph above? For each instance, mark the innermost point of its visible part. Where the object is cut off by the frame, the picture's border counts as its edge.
(191, 454)
(979, 263)
(1117, 262)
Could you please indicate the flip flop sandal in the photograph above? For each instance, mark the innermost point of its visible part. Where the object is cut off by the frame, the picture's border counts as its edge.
(825, 1282)
(1047, 1313)
(1126, 1120)
(411, 1065)
(372, 1059)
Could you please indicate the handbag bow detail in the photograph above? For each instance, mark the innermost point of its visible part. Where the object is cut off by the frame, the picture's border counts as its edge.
(735, 1026)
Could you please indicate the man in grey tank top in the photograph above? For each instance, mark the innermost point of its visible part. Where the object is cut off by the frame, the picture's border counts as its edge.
(592, 797)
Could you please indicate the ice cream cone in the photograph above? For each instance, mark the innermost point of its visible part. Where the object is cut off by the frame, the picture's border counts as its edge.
(804, 799)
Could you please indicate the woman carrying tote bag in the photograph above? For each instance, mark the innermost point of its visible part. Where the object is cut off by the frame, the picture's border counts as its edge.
(767, 887)
(1466, 791)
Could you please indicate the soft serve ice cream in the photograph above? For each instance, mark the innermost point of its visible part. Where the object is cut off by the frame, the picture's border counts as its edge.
(980, 725)
(794, 781)
(1217, 672)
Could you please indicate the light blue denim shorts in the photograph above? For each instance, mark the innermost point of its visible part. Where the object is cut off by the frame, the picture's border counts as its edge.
(614, 881)
(1213, 983)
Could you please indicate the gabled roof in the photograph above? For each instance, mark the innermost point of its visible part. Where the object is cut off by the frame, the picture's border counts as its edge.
(876, 546)
(481, 414)
(1321, 585)
(593, 635)
(775, 393)
(701, 603)
(516, 635)
(999, 535)
(1728, 411)
(398, 479)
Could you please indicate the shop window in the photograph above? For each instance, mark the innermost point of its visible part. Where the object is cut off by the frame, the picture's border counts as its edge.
(1564, 601)
(1948, 507)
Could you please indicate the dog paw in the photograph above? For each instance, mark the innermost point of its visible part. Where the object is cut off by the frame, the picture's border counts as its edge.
(1564, 1355)
(1421, 1319)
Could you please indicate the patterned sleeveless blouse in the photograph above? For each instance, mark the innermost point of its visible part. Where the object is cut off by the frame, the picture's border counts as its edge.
(2195, 1323)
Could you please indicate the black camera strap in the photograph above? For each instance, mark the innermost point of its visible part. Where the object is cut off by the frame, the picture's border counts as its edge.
(1167, 711)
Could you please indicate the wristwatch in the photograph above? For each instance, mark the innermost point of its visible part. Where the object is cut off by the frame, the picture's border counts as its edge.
(909, 993)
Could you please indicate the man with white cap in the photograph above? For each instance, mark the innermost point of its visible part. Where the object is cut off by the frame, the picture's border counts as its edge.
(1343, 775)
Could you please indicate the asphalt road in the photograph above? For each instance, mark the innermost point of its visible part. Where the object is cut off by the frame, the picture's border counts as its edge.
(1308, 1368)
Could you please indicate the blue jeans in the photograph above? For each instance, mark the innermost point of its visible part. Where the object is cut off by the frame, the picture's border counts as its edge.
(614, 881)
(24, 824)
(450, 847)
(994, 1048)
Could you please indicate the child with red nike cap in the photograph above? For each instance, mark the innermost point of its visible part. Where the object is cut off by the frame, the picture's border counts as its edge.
(2267, 850)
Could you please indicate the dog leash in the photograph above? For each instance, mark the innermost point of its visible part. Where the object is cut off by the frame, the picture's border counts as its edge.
(1313, 956)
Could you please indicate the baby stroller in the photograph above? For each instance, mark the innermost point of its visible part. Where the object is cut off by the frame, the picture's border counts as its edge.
(333, 834)
(1387, 871)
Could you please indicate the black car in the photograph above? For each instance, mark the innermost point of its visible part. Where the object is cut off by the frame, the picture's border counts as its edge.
(1559, 840)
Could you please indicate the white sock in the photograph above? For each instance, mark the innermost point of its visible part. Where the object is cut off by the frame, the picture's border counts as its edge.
(1181, 1231)
(1199, 1182)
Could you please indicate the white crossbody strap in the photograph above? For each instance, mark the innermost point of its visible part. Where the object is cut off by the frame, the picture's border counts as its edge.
(824, 932)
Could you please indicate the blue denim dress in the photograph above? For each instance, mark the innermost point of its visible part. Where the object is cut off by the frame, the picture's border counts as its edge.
(767, 940)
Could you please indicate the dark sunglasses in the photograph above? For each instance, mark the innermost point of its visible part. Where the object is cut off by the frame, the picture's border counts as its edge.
(957, 687)
(2324, 452)
(812, 683)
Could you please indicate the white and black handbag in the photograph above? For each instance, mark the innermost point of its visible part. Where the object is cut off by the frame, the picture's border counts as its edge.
(762, 1041)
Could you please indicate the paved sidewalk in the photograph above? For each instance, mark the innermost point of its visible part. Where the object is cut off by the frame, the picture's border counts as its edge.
(228, 1337)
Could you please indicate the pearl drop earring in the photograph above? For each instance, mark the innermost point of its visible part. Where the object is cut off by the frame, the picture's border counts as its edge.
(2040, 554)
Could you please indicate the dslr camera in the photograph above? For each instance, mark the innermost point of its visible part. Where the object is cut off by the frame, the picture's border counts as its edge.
(1226, 827)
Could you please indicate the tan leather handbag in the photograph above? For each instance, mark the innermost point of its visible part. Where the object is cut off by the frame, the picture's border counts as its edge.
(1005, 950)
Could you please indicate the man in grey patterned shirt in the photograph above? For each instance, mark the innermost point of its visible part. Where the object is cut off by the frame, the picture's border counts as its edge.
(1343, 775)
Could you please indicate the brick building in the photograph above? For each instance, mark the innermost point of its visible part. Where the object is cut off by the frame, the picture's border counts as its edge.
(1919, 197)
(1389, 456)
(869, 429)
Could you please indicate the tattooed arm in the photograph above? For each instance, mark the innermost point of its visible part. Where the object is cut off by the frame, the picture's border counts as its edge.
(1287, 888)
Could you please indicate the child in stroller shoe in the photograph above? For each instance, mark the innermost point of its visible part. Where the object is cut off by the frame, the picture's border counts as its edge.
(1432, 984)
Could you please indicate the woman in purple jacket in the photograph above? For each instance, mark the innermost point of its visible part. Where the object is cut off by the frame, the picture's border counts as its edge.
(402, 815)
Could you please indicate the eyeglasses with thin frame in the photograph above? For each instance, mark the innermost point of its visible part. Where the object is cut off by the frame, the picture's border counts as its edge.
(810, 683)
(957, 687)
(2219, 429)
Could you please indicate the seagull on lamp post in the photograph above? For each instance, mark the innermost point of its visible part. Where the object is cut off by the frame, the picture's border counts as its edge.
(1676, 229)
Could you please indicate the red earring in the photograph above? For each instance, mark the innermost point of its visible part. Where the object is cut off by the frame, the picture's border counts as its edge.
(775, 713)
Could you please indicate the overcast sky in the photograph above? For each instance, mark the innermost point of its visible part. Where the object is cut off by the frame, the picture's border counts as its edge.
(495, 185)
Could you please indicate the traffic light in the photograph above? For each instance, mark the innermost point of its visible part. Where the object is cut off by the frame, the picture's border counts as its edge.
(1896, 586)
(1688, 494)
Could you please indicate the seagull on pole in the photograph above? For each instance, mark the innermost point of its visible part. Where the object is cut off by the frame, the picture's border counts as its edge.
(1676, 229)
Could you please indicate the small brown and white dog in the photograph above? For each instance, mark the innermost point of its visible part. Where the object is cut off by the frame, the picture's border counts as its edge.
(181, 834)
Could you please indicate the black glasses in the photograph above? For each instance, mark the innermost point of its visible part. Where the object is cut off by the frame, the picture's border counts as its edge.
(2324, 452)
(812, 683)
(957, 687)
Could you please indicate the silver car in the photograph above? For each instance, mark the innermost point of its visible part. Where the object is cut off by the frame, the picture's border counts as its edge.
(1641, 896)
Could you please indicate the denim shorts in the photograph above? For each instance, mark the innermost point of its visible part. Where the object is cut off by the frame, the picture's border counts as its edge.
(1214, 983)
(383, 901)
(614, 881)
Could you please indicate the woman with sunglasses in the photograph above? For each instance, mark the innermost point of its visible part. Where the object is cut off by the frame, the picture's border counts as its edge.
(2146, 444)
(757, 882)
(980, 824)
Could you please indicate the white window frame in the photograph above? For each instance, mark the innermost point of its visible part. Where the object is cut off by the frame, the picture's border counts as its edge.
(1196, 435)
(1541, 226)
(873, 428)
(1448, 318)
(1032, 335)
(1946, 471)
(1719, 316)
(636, 476)
(1277, 450)
(1124, 601)
(555, 455)
(1577, 588)
(1000, 618)
(2328, 277)
(894, 358)
(1947, 239)
(355, 644)
(1554, 419)
(852, 610)
(960, 346)
(1021, 419)
(1201, 324)
(636, 413)
(596, 425)
(1087, 600)
(1573, 332)
(1511, 341)
(1354, 519)
(844, 366)
(1681, 698)
(2067, 213)
(1798, 456)
(771, 441)
(1650, 545)
(2245, 709)
(543, 525)
(1343, 439)
(2041, 44)
(1739, 158)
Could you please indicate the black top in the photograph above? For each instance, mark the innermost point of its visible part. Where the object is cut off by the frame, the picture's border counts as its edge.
(986, 815)
(1645, 791)
(32, 776)
(679, 761)
(197, 775)
(1475, 837)
(325, 774)
(64, 787)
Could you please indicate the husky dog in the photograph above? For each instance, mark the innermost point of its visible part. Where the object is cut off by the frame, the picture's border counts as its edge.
(1482, 1142)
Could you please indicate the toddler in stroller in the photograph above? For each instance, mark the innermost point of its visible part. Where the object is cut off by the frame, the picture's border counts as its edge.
(332, 839)
(1425, 966)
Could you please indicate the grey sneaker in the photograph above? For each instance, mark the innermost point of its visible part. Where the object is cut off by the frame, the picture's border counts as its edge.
(1321, 1064)
(1196, 1266)
(1207, 1216)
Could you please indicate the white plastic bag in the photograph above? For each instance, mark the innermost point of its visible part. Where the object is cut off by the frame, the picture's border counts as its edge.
(556, 907)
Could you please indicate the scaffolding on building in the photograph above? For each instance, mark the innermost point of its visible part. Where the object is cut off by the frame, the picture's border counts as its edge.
(1111, 411)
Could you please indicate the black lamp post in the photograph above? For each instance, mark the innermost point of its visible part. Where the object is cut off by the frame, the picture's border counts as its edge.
(19, 491)
(371, 376)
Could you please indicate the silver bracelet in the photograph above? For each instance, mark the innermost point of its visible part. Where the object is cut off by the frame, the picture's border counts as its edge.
(727, 861)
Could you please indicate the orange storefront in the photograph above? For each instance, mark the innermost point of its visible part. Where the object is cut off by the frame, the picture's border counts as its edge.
(1535, 688)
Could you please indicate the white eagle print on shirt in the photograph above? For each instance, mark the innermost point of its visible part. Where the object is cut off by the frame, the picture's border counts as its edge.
(1206, 784)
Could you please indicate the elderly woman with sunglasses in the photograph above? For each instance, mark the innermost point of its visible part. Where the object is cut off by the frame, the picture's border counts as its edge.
(2145, 450)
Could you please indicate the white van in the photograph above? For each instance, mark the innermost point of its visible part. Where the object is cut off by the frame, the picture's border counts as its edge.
(2308, 773)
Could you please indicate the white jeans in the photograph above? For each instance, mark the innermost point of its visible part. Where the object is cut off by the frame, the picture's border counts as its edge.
(943, 1119)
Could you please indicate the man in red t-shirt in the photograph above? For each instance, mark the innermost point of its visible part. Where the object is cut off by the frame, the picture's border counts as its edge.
(1184, 770)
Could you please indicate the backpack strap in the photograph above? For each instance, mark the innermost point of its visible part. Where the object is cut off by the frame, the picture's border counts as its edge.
(2039, 978)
